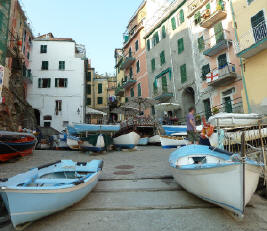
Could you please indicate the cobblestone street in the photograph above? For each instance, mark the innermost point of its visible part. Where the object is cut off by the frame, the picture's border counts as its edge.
(136, 192)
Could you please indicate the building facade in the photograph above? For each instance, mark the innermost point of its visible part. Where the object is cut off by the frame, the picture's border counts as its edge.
(57, 93)
(251, 47)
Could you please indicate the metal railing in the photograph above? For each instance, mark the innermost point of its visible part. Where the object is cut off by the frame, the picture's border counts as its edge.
(221, 72)
(215, 39)
(195, 5)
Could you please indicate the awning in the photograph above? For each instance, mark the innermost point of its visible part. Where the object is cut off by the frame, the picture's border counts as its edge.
(91, 111)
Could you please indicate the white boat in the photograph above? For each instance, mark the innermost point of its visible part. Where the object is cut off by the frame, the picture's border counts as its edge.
(234, 120)
(48, 189)
(216, 176)
(143, 141)
(85, 145)
(154, 139)
(127, 141)
(73, 142)
(174, 141)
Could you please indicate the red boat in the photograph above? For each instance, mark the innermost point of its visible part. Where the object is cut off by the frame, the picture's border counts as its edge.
(14, 144)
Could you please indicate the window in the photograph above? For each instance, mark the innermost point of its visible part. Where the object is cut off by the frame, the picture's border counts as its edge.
(200, 43)
(29, 73)
(205, 71)
(183, 73)
(89, 101)
(61, 82)
(132, 92)
(100, 90)
(131, 72)
(197, 17)
(138, 66)
(139, 90)
(162, 58)
(164, 84)
(89, 89)
(148, 44)
(47, 124)
(43, 49)
(153, 65)
(61, 65)
(130, 52)
(218, 31)
(58, 106)
(250, 1)
(163, 32)
(136, 45)
(28, 55)
(89, 77)
(48, 117)
(181, 16)
(222, 61)
(155, 39)
(126, 99)
(44, 83)
(155, 87)
(173, 21)
(259, 26)
(99, 100)
(44, 65)
(180, 45)
(208, 6)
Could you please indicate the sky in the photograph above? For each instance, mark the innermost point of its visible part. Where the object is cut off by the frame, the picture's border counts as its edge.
(98, 24)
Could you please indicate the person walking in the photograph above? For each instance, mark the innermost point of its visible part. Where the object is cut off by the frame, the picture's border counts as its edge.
(192, 134)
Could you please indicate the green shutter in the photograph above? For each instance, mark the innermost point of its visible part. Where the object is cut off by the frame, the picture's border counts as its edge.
(131, 72)
(155, 87)
(208, 6)
(139, 90)
(183, 73)
(173, 21)
(39, 83)
(218, 31)
(136, 45)
(132, 92)
(163, 32)
(164, 84)
(201, 44)
(180, 45)
(100, 90)
(162, 58)
(88, 101)
(99, 100)
(205, 71)
(49, 83)
(222, 61)
(153, 65)
(148, 45)
(181, 16)
(56, 82)
(138, 66)
(197, 17)
(89, 89)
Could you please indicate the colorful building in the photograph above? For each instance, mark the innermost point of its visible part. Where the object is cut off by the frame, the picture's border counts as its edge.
(251, 47)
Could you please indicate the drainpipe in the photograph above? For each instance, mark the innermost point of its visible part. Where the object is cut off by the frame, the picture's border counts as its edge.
(241, 62)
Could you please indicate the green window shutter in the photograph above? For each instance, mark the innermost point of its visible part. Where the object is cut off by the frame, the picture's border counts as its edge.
(197, 17)
(136, 45)
(201, 44)
(180, 45)
(163, 32)
(157, 37)
(222, 61)
(89, 89)
(181, 16)
(65, 82)
(130, 52)
(148, 45)
(39, 83)
(126, 99)
(89, 101)
(155, 87)
(205, 71)
(49, 83)
(61, 65)
(164, 84)
(138, 66)
(162, 58)
(183, 73)
(100, 90)
(208, 6)
(132, 92)
(153, 65)
(99, 100)
(131, 72)
(139, 90)
(173, 21)
(56, 82)
(218, 31)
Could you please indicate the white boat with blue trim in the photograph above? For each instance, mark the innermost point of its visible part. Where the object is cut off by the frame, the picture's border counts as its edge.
(174, 141)
(127, 141)
(216, 176)
(48, 189)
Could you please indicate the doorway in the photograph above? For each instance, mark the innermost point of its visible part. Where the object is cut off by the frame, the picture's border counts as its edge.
(188, 99)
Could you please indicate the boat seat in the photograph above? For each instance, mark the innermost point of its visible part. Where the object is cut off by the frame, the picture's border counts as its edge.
(55, 181)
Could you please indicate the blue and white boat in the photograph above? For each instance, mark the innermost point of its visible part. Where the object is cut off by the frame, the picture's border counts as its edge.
(216, 176)
(172, 129)
(126, 141)
(143, 141)
(174, 141)
(48, 189)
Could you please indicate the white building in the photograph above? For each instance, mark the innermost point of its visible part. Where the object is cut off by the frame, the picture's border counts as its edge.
(57, 92)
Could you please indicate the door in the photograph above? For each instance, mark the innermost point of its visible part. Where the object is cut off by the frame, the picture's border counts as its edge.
(259, 26)
(207, 108)
(228, 104)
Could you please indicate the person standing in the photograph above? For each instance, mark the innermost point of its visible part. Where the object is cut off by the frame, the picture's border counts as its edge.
(191, 127)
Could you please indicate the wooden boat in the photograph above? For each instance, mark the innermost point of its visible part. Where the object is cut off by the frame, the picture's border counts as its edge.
(154, 140)
(48, 189)
(14, 144)
(88, 143)
(73, 142)
(174, 141)
(126, 141)
(216, 176)
(234, 120)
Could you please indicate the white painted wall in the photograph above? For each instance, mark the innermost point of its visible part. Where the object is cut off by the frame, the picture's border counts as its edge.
(72, 97)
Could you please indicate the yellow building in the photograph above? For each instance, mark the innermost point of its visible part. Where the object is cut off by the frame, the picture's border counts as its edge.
(119, 92)
(251, 43)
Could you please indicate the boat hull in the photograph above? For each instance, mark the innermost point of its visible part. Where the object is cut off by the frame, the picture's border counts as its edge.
(143, 141)
(127, 141)
(41, 203)
(168, 142)
(221, 185)
(72, 143)
(154, 139)
(99, 147)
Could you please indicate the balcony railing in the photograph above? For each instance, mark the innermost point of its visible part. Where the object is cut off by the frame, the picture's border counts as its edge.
(222, 76)
(127, 62)
(195, 5)
(252, 39)
(128, 82)
(216, 43)
(119, 91)
(212, 18)
(163, 96)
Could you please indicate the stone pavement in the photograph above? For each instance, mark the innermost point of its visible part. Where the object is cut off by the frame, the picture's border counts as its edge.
(136, 193)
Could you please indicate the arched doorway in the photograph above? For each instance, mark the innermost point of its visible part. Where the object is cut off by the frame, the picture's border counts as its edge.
(188, 99)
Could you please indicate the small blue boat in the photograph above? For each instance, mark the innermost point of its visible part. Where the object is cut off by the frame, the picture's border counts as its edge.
(48, 189)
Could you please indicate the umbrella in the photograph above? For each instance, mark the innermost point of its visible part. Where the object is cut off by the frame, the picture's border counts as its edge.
(168, 106)
(141, 103)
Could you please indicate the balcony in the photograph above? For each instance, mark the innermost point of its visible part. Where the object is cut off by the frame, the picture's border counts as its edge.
(222, 76)
(213, 18)
(195, 5)
(163, 97)
(119, 91)
(129, 82)
(252, 42)
(217, 43)
(127, 62)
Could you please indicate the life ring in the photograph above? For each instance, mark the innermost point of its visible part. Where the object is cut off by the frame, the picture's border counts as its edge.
(206, 14)
(207, 131)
